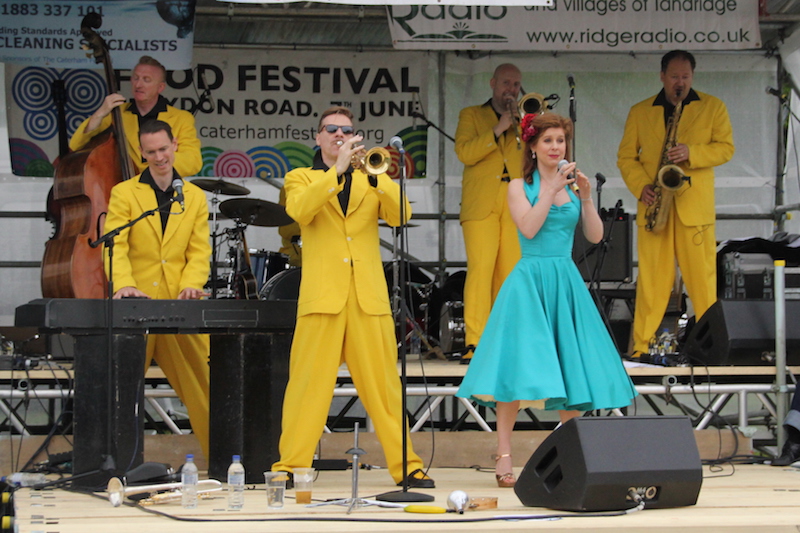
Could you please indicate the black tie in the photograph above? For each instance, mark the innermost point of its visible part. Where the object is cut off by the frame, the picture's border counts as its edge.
(344, 194)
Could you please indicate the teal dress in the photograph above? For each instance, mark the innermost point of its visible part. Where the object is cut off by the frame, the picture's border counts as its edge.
(544, 342)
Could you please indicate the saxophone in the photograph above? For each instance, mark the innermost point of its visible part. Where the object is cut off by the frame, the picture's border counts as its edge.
(669, 179)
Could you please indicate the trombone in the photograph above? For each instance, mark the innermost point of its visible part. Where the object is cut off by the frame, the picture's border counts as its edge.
(529, 103)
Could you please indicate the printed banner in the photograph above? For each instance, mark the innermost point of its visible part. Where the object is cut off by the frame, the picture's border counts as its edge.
(256, 112)
(47, 33)
(400, 2)
(580, 25)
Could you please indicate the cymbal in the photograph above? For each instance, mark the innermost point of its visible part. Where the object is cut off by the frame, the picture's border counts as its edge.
(221, 186)
(385, 225)
(255, 212)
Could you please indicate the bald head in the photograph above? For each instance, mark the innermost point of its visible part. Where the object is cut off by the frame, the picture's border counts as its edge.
(506, 83)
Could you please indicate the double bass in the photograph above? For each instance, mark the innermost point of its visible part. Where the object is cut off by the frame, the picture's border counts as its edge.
(81, 191)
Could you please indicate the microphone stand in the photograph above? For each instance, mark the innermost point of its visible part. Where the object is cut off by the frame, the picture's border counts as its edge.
(403, 495)
(428, 123)
(108, 241)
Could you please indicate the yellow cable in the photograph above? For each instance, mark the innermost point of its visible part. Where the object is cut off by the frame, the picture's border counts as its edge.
(424, 509)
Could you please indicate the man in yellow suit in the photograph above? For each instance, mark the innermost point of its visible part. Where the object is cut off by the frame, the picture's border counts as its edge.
(488, 146)
(148, 81)
(343, 312)
(166, 256)
(704, 140)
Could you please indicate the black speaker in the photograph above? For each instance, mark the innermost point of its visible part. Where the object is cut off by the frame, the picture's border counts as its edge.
(742, 332)
(249, 373)
(593, 464)
(108, 417)
(615, 250)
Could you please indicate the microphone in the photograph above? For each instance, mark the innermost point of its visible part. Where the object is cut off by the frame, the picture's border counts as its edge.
(458, 501)
(600, 178)
(177, 184)
(774, 92)
(397, 143)
(571, 81)
(561, 165)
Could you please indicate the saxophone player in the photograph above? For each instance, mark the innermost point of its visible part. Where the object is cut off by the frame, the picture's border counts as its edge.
(704, 140)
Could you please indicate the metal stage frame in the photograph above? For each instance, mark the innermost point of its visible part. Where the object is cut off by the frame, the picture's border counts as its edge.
(433, 385)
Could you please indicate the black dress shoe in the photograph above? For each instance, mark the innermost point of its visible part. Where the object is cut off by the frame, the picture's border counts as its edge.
(419, 480)
(789, 455)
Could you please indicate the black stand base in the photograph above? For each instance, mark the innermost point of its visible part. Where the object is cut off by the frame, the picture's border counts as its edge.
(401, 496)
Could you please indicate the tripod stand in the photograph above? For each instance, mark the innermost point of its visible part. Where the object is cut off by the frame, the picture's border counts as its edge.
(354, 502)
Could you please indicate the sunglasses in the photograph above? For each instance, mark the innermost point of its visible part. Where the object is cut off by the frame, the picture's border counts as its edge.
(331, 128)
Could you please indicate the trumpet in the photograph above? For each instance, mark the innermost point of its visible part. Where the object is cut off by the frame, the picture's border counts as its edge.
(373, 162)
(117, 491)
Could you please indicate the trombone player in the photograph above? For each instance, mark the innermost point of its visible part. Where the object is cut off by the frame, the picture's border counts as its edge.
(343, 312)
(704, 140)
(488, 144)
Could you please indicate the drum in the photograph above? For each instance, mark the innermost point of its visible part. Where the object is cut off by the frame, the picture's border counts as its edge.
(446, 317)
(266, 265)
(452, 331)
(282, 286)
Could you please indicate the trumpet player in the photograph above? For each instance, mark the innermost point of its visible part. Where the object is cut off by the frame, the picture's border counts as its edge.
(704, 141)
(488, 144)
(343, 311)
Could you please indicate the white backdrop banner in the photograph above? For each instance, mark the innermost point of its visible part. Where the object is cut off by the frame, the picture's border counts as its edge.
(256, 111)
(48, 33)
(579, 25)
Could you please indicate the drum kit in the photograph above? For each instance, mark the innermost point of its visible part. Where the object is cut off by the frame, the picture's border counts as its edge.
(247, 271)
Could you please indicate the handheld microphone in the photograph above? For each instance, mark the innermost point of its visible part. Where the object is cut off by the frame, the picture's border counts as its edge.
(177, 184)
(458, 501)
(571, 81)
(561, 165)
(397, 143)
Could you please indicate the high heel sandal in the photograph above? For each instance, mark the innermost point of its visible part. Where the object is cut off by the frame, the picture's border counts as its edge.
(508, 479)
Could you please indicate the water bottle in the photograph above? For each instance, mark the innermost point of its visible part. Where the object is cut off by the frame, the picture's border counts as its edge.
(189, 479)
(24, 479)
(236, 484)
(666, 342)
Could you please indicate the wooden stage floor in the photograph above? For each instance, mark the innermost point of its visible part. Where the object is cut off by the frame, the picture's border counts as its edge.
(745, 498)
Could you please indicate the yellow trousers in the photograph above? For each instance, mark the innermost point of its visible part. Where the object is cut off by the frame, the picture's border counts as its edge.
(492, 247)
(694, 249)
(368, 345)
(184, 361)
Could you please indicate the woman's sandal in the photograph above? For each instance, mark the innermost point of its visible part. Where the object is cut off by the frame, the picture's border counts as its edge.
(508, 479)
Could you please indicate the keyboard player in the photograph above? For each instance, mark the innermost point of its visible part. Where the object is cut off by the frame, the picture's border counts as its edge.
(166, 256)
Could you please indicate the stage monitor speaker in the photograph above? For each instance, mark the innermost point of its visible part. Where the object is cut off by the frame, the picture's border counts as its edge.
(618, 257)
(593, 464)
(742, 332)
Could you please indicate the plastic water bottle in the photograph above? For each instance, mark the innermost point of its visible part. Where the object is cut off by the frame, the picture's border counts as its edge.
(236, 484)
(24, 479)
(667, 341)
(189, 480)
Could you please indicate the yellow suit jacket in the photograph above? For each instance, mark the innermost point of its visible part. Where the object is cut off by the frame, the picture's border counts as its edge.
(484, 158)
(188, 160)
(142, 255)
(335, 244)
(704, 127)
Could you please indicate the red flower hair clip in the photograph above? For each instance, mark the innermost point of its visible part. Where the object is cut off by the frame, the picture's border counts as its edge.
(528, 131)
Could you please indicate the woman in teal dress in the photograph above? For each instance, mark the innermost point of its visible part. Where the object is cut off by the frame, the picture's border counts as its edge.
(545, 344)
